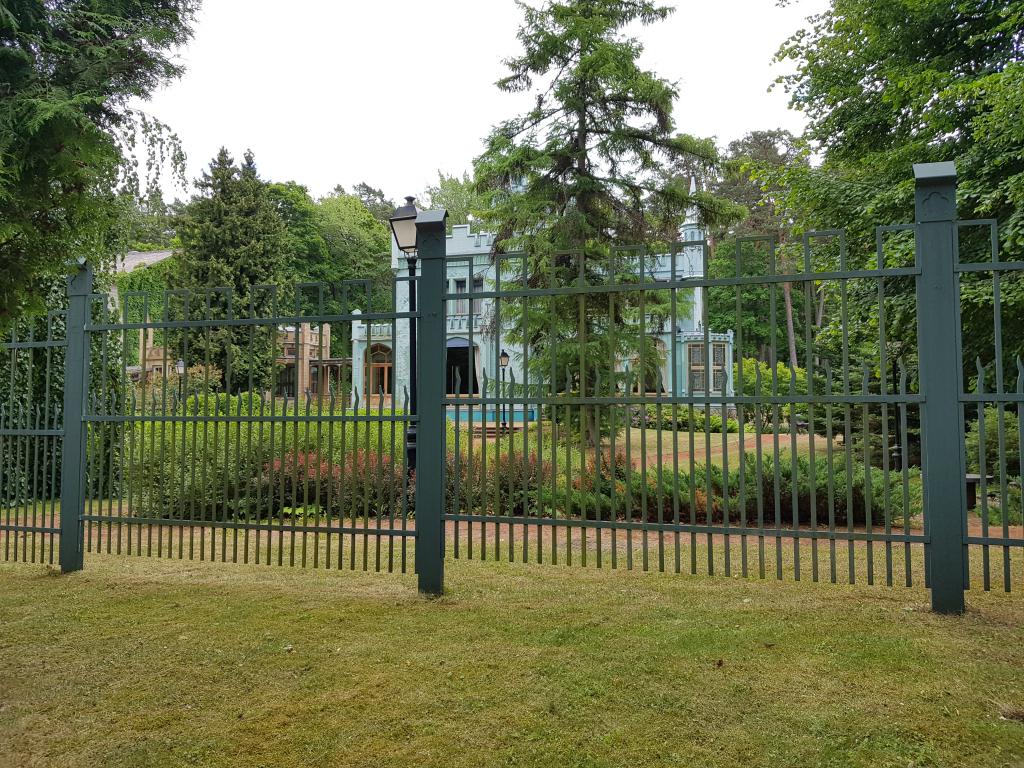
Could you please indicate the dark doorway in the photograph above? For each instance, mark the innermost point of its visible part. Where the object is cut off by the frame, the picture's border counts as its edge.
(460, 376)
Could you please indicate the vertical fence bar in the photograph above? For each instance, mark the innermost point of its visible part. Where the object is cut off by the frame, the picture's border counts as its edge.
(941, 373)
(76, 382)
(431, 247)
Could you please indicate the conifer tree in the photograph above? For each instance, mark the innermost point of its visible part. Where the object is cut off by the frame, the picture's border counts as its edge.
(70, 135)
(233, 237)
(579, 174)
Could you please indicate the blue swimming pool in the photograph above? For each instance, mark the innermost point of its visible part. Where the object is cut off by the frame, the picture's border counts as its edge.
(518, 415)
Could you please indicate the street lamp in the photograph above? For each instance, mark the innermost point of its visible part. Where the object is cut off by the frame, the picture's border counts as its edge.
(403, 227)
(503, 364)
(180, 368)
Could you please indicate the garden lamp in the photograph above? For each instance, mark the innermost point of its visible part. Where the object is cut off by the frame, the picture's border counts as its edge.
(503, 364)
(403, 226)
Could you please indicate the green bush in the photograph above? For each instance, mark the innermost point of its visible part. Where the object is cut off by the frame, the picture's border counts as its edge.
(1014, 508)
(613, 491)
(1011, 438)
(649, 417)
(217, 469)
(509, 484)
(364, 484)
(754, 377)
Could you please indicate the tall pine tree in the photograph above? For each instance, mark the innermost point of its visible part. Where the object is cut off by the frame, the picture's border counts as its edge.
(233, 237)
(577, 175)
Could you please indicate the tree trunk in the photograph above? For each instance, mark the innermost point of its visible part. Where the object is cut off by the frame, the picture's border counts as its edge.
(787, 293)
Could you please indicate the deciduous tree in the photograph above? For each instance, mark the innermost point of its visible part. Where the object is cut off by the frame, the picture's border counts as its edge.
(888, 84)
(358, 249)
(456, 194)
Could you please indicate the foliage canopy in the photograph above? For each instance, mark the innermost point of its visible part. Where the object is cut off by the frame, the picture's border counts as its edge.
(68, 134)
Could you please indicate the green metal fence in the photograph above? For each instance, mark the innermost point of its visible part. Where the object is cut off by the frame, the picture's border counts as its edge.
(851, 469)
(31, 440)
(271, 463)
(625, 428)
(195, 429)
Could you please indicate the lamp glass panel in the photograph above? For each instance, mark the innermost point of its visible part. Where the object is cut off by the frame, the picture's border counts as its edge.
(405, 233)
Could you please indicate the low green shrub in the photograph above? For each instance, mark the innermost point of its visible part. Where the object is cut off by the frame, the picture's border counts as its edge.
(212, 468)
(1011, 442)
(994, 503)
(223, 467)
(649, 416)
(362, 485)
(708, 495)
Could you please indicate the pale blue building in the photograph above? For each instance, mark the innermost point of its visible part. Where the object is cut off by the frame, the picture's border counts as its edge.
(474, 344)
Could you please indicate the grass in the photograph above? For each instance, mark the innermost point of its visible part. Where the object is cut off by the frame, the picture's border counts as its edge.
(650, 441)
(146, 662)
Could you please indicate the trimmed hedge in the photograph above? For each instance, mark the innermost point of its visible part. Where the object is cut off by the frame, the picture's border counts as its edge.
(222, 469)
(649, 417)
(609, 490)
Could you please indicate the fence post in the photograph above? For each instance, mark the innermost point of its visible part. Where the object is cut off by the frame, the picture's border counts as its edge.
(76, 382)
(938, 335)
(431, 449)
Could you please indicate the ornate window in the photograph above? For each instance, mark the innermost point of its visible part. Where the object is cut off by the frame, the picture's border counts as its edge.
(699, 369)
(461, 305)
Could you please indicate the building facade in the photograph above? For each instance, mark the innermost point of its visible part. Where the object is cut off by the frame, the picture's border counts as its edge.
(304, 365)
(380, 357)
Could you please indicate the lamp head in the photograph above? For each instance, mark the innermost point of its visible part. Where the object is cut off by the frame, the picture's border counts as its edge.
(403, 225)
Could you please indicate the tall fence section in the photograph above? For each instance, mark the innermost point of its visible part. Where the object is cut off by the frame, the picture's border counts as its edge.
(825, 409)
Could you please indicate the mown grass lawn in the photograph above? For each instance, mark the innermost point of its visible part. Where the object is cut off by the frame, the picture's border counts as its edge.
(142, 662)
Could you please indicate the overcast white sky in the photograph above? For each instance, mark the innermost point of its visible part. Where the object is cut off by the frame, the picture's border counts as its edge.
(334, 91)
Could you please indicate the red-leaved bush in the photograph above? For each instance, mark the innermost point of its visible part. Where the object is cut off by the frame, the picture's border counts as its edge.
(364, 484)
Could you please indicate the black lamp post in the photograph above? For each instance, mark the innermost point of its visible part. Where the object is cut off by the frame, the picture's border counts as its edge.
(403, 226)
(179, 367)
(503, 364)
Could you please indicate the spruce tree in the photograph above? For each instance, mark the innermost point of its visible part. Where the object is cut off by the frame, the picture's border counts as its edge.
(579, 174)
(233, 237)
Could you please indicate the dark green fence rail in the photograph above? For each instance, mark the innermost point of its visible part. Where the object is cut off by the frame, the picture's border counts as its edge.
(626, 429)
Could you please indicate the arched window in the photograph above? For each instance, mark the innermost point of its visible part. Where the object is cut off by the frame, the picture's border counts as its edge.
(378, 371)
